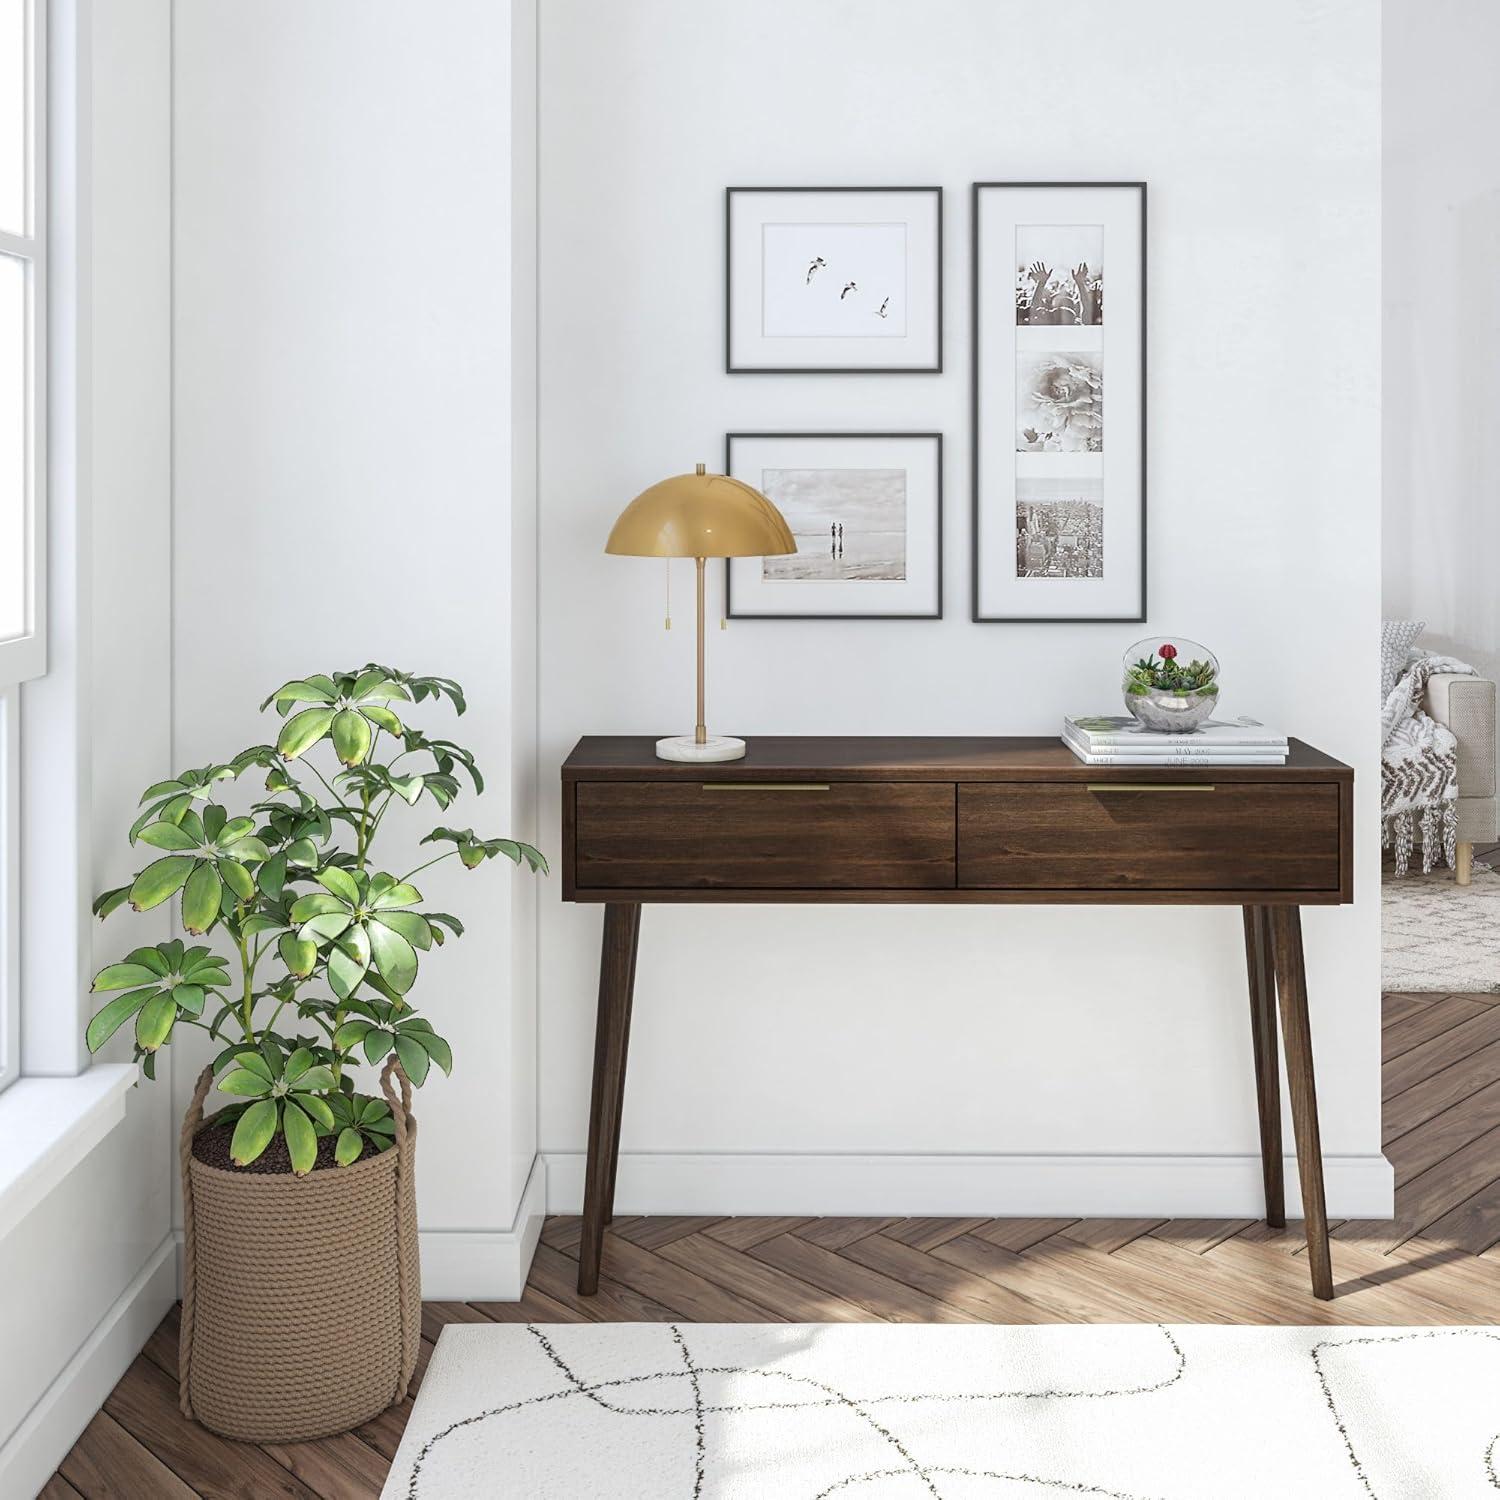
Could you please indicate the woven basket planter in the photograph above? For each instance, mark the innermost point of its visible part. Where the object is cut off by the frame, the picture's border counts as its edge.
(301, 1296)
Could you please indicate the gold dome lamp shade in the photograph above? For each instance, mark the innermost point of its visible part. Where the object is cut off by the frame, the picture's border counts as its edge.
(700, 516)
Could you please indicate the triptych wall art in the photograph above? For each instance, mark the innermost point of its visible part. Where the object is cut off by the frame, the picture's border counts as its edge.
(849, 281)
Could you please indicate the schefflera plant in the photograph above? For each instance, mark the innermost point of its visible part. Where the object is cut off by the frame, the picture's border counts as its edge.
(324, 944)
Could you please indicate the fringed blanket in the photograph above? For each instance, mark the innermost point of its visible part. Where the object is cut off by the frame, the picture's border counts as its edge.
(1419, 768)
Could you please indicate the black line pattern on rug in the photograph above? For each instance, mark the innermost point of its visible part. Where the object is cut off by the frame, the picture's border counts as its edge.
(698, 1434)
(1072, 1487)
(1398, 1338)
(833, 1397)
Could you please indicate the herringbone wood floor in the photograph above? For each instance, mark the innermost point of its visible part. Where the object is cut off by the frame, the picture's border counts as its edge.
(1437, 1262)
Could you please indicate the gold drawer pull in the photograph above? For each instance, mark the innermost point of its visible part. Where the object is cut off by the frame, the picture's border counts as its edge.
(1148, 786)
(765, 786)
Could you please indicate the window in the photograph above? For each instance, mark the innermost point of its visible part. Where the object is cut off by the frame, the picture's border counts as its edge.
(23, 323)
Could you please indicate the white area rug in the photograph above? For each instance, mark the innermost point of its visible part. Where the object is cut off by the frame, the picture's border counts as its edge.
(960, 1412)
(1436, 935)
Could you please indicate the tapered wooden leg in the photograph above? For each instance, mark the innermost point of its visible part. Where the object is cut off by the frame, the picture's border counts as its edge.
(622, 927)
(1291, 986)
(1260, 967)
(1464, 870)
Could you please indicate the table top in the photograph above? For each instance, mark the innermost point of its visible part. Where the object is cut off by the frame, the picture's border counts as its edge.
(916, 758)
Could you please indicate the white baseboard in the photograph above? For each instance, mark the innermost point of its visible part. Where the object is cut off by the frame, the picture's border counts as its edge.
(66, 1407)
(1198, 1187)
(474, 1265)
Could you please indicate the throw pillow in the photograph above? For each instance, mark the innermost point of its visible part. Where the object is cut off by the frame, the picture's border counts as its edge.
(1396, 637)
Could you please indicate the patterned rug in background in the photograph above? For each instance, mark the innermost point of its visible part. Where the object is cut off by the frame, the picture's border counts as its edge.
(1439, 936)
(651, 1411)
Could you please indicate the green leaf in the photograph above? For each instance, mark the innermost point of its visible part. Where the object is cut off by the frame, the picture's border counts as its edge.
(152, 960)
(154, 1024)
(166, 836)
(297, 1064)
(161, 789)
(351, 737)
(237, 878)
(397, 895)
(253, 1061)
(192, 825)
(414, 1059)
(317, 1079)
(317, 904)
(350, 1145)
(250, 850)
(300, 955)
(298, 691)
(271, 876)
(322, 928)
(110, 901)
(381, 716)
(410, 925)
(230, 832)
(350, 1034)
(253, 1133)
(122, 976)
(160, 879)
(213, 821)
(377, 1044)
(189, 998)
(318, 1108)
(256, 922)
(302, 731)
(437, 1049)
(243, 1081)
(200, 897)
(114, 1015)
(341, 883)
(345, 970)
(394, 957)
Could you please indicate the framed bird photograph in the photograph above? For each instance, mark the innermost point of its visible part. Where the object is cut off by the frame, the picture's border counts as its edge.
(1059, 401)
(866, 511)
(833, 280)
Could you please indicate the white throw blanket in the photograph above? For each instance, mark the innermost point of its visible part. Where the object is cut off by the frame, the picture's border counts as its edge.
(1419, 767)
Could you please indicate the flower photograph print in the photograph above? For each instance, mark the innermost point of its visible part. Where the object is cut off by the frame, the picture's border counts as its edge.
(866, 512)
(1059, 402)
(1059, 274)
(827, 280)
(1059, 514)
(849, 523)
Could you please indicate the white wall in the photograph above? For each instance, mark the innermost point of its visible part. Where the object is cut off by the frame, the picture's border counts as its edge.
(88, 1273)
(1442, 323)
(829, 1044)
(348, 427)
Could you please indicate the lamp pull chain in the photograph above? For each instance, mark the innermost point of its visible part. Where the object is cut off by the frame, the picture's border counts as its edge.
(668, 562)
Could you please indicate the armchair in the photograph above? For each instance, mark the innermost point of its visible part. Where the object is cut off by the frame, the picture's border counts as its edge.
(1466, 705)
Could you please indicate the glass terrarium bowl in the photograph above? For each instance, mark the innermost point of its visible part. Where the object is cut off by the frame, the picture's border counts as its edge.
(1171, 683)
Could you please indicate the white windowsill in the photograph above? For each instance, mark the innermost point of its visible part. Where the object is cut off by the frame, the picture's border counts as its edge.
(48, 1125)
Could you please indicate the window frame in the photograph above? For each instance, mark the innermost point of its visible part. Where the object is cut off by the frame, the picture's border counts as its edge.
(24, 657)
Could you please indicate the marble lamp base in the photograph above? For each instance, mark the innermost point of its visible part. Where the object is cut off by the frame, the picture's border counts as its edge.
(715, 747)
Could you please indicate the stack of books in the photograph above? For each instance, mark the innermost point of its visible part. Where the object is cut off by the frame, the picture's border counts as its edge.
(1119, 740)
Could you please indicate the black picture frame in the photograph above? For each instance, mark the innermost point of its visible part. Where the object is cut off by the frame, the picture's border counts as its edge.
(975, 533)
(731, 368)
(935, 614)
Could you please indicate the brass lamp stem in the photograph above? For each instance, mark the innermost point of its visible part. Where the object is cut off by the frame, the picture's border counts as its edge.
(700, 733)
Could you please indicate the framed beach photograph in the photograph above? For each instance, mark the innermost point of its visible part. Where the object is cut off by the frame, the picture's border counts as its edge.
(866, 509)
(1059, 401)
(833, 280)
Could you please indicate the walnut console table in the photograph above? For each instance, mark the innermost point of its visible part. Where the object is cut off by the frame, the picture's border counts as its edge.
(962, 821)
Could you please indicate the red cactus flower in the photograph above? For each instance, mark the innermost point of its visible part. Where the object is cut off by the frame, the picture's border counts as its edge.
(1166, 652)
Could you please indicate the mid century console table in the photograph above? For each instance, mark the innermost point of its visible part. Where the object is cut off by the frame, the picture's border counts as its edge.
(962, 821)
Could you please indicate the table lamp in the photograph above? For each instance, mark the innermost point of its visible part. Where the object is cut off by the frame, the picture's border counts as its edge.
(700, 516)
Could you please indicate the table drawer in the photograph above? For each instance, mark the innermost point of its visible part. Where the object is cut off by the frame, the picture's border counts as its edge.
(1170, 837)
(770, 835)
